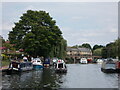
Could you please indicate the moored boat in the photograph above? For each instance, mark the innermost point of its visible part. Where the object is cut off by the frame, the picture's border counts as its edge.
(20, 66)
(83, 61)
(89, 60)
(108, 66)
(60, 66)
(46, 62)
(37, 63)
(99, 61)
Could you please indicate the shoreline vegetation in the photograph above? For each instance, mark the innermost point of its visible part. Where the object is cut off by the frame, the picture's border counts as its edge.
(5, 63)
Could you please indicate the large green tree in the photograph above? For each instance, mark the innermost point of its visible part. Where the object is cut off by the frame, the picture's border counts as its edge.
(36, 33)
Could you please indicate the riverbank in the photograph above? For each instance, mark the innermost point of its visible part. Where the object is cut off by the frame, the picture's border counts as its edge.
(5, 63)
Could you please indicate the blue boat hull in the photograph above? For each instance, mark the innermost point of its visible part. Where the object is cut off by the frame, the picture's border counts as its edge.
(37, 66)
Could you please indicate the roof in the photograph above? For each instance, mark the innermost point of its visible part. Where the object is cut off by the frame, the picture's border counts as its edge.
(84, 49)
(79, 49)
(72, 49)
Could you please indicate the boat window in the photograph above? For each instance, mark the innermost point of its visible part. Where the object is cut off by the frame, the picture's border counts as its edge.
(65, 66)
(30, 64)
(60, 65)
(15, 65)
(55, 65)
(110, 65)
(21, 66)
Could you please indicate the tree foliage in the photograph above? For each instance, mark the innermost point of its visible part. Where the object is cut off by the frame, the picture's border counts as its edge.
(36, 33)
(97, 46)
(97, 52)
(86, 45)
(111, 50)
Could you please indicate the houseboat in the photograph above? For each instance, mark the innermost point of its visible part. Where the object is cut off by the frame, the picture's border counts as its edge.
(108, 66)
(37, 63)
(20, 66)
(60, 66)
(83, 61)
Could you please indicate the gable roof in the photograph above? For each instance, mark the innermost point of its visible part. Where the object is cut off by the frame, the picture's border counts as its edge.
(79, 49)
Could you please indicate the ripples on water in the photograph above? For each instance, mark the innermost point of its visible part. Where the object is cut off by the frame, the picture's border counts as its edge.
(78, 76)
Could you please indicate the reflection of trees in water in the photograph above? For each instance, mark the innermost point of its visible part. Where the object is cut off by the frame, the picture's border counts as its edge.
(50, 79)
(24, 80)
(39, 79)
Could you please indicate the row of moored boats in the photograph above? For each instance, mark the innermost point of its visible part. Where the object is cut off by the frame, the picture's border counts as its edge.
(25, 65)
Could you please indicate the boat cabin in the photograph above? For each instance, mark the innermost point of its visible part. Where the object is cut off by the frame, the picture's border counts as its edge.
(20, 66)
(60, 66)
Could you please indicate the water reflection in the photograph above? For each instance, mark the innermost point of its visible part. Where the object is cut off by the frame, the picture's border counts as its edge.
(78, 76)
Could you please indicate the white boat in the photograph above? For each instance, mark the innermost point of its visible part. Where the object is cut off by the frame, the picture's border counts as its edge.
(60, 66)
(108, 66)
(37, 63)
(99, 61)
(83, 61)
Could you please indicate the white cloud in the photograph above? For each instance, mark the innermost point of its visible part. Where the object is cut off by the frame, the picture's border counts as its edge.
(77, 18)
(98, 21)
(7, 26)
(113, 30)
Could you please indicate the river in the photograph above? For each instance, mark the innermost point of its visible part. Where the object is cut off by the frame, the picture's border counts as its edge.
(77, 76)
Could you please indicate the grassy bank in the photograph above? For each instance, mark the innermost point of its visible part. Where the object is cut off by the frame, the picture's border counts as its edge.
(5, 63)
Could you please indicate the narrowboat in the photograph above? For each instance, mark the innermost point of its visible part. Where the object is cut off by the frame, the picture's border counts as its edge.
(37, 63)
(60, 67)
(83, 61)
(20, 66)
(108, 66)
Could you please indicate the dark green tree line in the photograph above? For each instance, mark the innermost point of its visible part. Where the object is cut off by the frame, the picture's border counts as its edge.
(111, 50)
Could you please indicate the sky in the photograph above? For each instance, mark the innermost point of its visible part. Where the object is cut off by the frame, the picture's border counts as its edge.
(80, 22)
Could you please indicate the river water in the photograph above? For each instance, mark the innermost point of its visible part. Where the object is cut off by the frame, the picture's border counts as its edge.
(77, 76)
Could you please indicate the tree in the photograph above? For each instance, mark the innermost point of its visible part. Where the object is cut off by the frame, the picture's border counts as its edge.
(110, 50)
(36, 33)
(97, 52)
(86, 45)
(97, 46)
(118, 47)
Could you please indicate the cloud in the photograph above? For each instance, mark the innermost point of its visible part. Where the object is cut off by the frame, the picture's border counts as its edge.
(7, 26)
(114, 30)
(79, 22)
(91, 36)
(77, 18)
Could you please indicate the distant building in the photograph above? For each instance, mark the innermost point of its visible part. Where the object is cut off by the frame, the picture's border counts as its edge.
(79, 53)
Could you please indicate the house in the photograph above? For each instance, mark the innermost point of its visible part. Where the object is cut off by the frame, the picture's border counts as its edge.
(79, 53)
